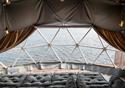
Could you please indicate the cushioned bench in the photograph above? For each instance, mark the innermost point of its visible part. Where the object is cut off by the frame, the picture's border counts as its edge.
(65, 80)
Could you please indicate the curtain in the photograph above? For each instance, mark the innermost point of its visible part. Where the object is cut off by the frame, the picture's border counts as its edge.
(14, 38)
(116, 39)
(120, 59)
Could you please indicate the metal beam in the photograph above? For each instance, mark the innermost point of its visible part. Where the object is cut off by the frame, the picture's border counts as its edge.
(3, 65)
(55, 36)
(42, 35)
(28, 55)
(83, 56)
(85, 35)
(71, 36)
(110, 59)
(64, 26)
(56, 55)
(15, 61)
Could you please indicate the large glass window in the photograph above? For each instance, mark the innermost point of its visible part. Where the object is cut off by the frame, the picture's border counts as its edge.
(77, 45)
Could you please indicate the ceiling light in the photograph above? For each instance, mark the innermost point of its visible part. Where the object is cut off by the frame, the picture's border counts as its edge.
(7, 31)
(8, 2)
(62, 0)
(122, 23)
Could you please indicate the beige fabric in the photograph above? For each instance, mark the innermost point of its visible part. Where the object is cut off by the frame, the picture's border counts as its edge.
(14, 38)
(116, 39)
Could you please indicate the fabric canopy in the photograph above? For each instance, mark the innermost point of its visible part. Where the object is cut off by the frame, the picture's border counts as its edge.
(104, 14)
(22, 13)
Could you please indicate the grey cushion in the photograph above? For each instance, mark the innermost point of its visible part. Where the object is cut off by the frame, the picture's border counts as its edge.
(80, 83)
(71, 83)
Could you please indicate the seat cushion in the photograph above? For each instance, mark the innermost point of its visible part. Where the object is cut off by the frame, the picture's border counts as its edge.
(71, 82)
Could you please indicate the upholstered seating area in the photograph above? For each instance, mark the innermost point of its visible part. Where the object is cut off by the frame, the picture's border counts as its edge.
(93, 80)
(56, 80)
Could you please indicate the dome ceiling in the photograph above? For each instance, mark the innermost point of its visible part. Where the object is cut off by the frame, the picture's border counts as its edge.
(17, 14)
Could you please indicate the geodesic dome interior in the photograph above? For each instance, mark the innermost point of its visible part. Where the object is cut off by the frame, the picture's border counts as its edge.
(62, 31)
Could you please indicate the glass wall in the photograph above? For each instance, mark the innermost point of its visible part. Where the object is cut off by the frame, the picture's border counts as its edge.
(64, 45)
